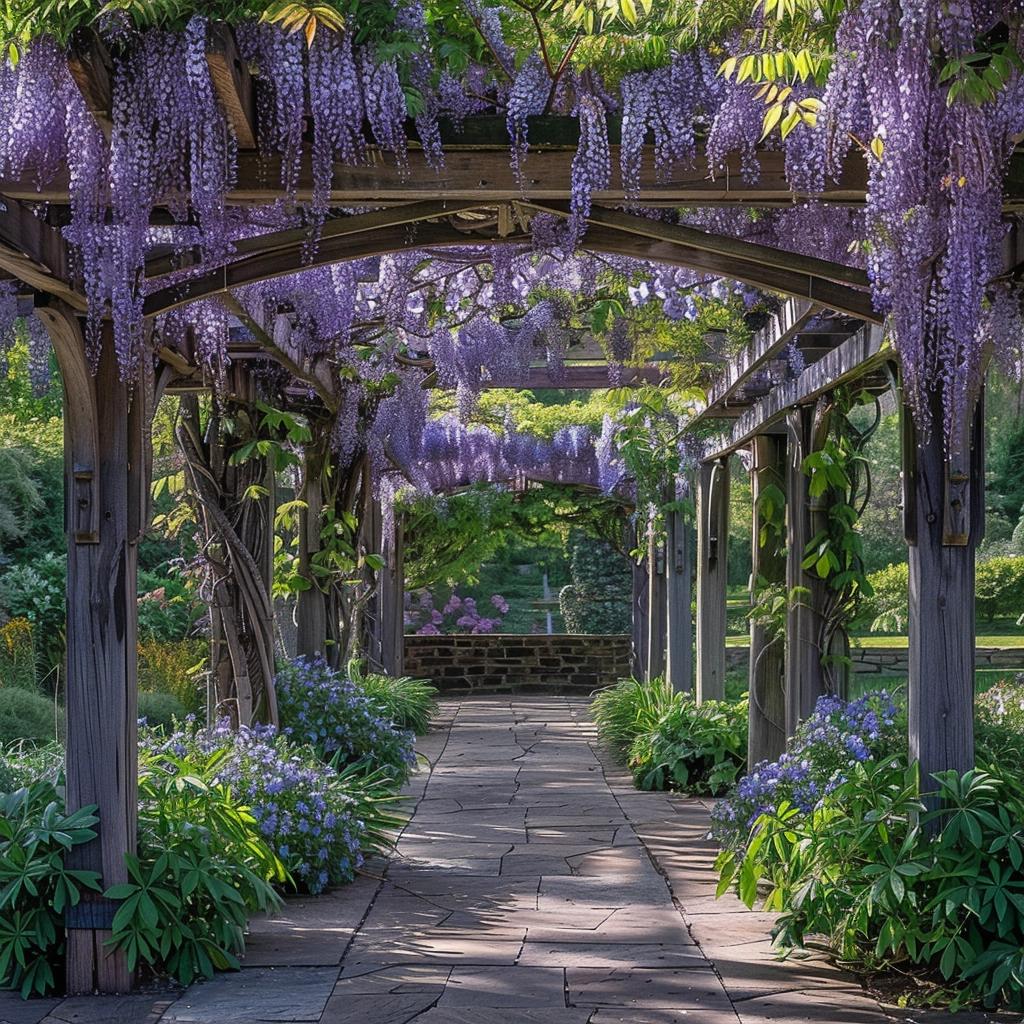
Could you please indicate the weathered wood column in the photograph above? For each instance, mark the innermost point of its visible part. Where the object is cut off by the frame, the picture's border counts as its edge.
(657, 611)
(392, 587)
(311, 610)
(712, 577)
(767, 714)
(944, 519)
(805, 675)
(106, 489)
(679, 597)
(638, 656)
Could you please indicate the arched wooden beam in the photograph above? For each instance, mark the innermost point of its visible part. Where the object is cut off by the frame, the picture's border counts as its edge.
(600, 238)
(289, 260)
(408, 213)
(721, 245)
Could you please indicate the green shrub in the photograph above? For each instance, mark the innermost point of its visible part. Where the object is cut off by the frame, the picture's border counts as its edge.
(161, 710)
(167, 608)
(863, 870)
(629, 708)
(202, 868)
(885, 610)
(28, 716)
(17, 655)
(700, 748)
(408, 703)
(174, 668)
(36, 886)
(599, 598)
(999, 589)
(35, 591)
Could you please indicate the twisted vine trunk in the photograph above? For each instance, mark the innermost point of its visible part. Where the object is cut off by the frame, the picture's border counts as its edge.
(234, 505)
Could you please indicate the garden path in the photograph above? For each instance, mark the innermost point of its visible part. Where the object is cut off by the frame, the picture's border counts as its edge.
(533, 885)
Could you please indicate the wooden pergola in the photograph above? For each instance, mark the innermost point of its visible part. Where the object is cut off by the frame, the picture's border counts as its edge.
(476, 199)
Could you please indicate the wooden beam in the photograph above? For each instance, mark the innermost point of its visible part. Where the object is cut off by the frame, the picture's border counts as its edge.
(89, 64)
(841, 298)
(767, 709)
(712, 577)
(657, 617)
(36, 254)
(865, 351)
(721, 245)
(232, 84)
(259, 267)
(297, 240)
(483, 172)
(782, 327)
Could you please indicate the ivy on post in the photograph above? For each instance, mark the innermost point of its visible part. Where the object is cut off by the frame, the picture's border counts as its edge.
(944, 520)
(106, 474)
(767, 714)
(712, 577)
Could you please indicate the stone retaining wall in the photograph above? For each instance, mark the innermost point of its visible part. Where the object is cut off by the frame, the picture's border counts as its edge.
(508, 662)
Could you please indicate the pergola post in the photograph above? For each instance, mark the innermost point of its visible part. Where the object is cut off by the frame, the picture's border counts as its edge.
(678, 591)
(767, 713)
(392, 601)
(712, 577)
(944, 520)
(656, 604)
(106, 483)
(805, 674)
(311, 610)
(640, 611)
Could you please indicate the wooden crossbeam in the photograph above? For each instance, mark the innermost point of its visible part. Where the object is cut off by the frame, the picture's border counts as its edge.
(781, 329)
(856, 357)
(232, 84)
(36, 254)
(281, 262)
(722, 245)
(296, 240)
(841, 298)
(89, 64)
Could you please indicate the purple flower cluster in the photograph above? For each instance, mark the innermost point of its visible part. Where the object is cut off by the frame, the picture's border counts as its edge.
(321, 707)
(837, 735)
(459, 614)
(300, 804)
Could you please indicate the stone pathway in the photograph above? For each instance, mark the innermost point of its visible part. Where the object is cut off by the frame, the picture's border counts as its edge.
(533, 885)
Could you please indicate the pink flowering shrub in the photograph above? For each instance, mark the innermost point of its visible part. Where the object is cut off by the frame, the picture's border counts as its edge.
(459, 614)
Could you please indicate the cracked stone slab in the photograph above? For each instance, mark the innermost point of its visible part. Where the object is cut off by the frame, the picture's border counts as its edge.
(499, 987)
(504, 1015)
(661, 988)
(377, 1009)
(609, 954)
(813, 1007)
(358, 978)
(132, 1009)
(257, 995)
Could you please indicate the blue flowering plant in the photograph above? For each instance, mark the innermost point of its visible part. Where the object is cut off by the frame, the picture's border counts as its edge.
(838, 736)
(319, 821)
(322, 708)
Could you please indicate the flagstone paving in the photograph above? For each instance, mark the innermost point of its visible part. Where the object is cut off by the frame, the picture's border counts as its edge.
(533, 885)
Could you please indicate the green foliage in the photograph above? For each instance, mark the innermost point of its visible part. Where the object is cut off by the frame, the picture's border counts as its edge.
(168, 608)
(628, 709)
(36, 886)
(999, 593)
(699, 748)
(161, 710)
(408, 703)
(202, 868)
(999, 588)
(864, 871)
(23, 763)
(175, 669)
(599, 599)
(36, 591)
(886, 609)
(17, 655)
(28, 716)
